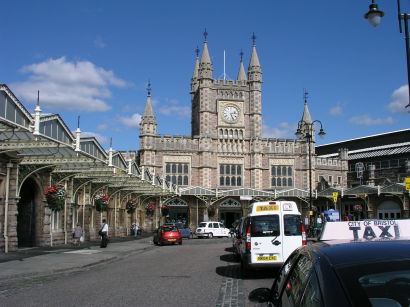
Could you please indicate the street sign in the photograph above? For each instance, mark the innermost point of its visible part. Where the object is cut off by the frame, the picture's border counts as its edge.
(407, 182)
(335, 195)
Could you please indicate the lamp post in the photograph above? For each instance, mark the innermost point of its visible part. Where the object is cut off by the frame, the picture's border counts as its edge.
(306, 129)
(374, 16)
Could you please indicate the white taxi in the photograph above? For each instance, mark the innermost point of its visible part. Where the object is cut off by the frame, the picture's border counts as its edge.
(212, 229)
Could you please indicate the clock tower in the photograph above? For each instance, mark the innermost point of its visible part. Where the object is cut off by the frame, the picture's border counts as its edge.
(226, 109)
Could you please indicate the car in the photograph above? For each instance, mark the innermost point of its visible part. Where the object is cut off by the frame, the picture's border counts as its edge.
(373, 269)
(270, 232)
(167, 234)
(211, 229)
(185, 231)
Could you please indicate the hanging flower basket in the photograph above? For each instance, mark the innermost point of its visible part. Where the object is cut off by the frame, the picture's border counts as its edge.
(211, 211)
(358, 208)
(131, 205)
(164, 210)
(150, 209)
(101, 201)
(56, 196)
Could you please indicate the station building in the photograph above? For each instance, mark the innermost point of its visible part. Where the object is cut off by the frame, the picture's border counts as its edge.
(226, 163)
(377, 168)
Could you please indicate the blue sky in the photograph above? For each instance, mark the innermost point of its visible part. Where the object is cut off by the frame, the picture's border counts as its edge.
(93, 58)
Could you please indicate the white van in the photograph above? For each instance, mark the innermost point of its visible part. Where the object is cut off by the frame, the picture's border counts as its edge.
(270, 233)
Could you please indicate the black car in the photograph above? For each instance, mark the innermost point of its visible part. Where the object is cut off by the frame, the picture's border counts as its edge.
(348, 273)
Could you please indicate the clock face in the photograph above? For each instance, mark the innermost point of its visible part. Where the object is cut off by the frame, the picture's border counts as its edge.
(230, 113)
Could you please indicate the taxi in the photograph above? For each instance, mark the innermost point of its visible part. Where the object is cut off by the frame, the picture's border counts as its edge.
(370, 266)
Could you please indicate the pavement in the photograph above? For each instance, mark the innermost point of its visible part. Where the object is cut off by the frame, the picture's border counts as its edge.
(46, 261)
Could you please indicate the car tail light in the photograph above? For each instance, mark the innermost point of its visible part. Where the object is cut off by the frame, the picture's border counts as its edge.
(248, 238)
(304, 242)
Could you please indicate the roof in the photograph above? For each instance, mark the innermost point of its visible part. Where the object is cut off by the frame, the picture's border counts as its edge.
(376, 151)
(370, 141)
(341, 253)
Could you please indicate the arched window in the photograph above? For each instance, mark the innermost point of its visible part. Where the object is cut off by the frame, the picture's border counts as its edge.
(179, 180)
(185, 180)
(221, 181)
(273, 181)
(273, 170)
(228, 181)
(174, 168)
(233, 181)
(179, 168)
(174, 179)
(290, 184)
(168, 168)
(239, 181)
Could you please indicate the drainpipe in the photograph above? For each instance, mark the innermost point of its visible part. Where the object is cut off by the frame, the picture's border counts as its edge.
(65, 216)
(6, 209)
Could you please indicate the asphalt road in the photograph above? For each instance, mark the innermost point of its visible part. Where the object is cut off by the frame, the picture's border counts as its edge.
(200, 272)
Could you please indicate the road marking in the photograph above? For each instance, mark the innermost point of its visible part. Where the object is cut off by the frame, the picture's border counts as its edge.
(83, 252)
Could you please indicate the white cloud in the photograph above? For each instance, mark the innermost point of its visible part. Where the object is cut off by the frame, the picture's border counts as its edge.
(99, 43)
(100, 138)
(284, 130)
(172, 110)
(80, 86)
(336, 110)
(399, 100)
(367, 120)
(131, 122)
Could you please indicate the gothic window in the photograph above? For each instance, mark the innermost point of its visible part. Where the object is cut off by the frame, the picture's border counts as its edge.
(177, 202)
(177, 173)
(230, 175)
(281, 176)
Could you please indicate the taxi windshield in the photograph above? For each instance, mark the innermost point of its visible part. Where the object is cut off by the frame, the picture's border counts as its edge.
(380, 284)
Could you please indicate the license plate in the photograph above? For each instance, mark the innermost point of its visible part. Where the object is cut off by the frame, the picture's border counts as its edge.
(172, 240)
(266, 258)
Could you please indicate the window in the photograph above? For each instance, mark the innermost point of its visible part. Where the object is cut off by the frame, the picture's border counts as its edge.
(177, 173)
(312, 296)
(330, 180)
(265, 226)
(230, 175)
(281, 176)
(292, 225)
(339, 180)
(296, 283)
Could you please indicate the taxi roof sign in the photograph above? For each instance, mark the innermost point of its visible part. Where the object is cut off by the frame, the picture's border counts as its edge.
(365, 230)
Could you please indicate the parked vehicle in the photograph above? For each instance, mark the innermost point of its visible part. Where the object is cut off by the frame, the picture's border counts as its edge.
(269, 234)
(185, 231)
(211, 229)
(370, 266)
(167, 234)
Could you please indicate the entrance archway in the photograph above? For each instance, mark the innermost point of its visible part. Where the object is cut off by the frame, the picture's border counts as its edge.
(230, 211)
(27, 213)
(388, 209)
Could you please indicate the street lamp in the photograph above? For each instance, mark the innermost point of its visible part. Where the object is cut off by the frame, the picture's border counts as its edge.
(306, 129)
(374, 16)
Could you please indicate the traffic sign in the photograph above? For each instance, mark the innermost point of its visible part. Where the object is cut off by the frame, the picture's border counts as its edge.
(407, 182)
(335, 195)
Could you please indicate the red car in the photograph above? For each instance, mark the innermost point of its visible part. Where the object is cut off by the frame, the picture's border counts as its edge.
(168, 234)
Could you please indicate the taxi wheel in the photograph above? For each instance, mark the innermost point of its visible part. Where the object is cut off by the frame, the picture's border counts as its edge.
(210, 235)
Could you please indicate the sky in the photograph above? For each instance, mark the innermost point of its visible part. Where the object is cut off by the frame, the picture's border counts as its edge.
(93, 59)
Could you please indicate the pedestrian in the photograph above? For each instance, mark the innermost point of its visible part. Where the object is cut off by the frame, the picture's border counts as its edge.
(104, 234)
(136, 227)
(77, 234)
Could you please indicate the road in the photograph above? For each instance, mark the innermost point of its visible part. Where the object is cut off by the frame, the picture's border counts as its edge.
(200, 272)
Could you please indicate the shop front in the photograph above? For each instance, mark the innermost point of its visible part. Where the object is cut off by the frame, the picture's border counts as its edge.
(178, 212)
